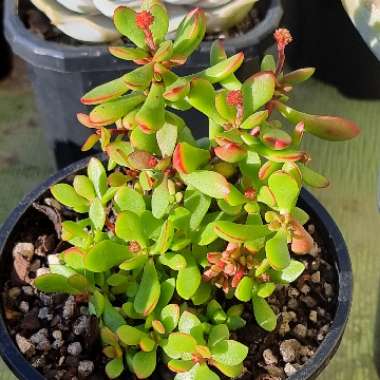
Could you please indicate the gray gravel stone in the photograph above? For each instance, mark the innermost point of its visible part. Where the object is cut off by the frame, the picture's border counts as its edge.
(25, 345)
(81, 325)
(24, 306)
(289, 350)
(290, 369)
(269, 357)
(69, 308)
(74, 348)
(300, 331)
(24, 249)
(85, 368)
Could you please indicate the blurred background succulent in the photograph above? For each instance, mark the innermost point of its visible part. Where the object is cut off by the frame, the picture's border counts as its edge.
(91, 20)
(365, 15)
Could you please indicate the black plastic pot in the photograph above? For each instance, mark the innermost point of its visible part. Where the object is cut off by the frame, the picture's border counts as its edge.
(324, 224)
(5, 51)
(61, 74)
(325, 37)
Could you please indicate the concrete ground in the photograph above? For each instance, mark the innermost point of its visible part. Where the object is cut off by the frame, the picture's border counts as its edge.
(353, 168)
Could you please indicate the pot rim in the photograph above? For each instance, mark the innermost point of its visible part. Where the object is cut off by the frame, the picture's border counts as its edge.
(65, 58)
(24, 370)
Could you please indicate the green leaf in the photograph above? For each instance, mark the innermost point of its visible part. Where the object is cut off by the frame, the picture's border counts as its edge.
(128, 199)
(151, 116)
(139, 79)
(124, 19)
(218, 334)
(129, 335)
(210, 183)
(111, 317)
(165, 238)
(173, 260)
(264, 314)
(178, 90)
(268, 63)
(243, 291)
(54, 283)
(83, 186)
(188, 158)
(190, 33)
(266, 289)
(203, 372)
(97, 214)
(312, 178)
(161, 199)
(105, 92)
(134, 262)
(285, 190)
(128, 54)
(289, 274)
(152, 226)
(97, 303)
(108, 113)
(74, 257)
(198, 205)
(164, 52)
(202, 97)
(276, 139)
(149, 290)
(160, 25)
(115, 368)
(254, 120)
(129, 227)
(298, 76)
(187, 322)
(97, 174)
(300, 215)
(230, 371)
(180, 366)
(229, 352)
(66, 195)
(203, 294)
(188, 279)
(167, 291)
(144, 364)
(277, 251)
(167, 138)
(170, 317)
(75, 234)
(331, 128)
(257, 91)
(142, 141)
(119, 151)
(215, 312)
(239, 233)
(179, 344)
(223, 69)
(106, 255)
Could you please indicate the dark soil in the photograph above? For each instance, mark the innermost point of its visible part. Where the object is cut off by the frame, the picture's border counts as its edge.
(59, 338)
(39, 24)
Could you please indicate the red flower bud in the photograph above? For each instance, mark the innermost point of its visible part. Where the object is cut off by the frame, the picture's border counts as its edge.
(144, 20)
(282, 37)
(235, 98)
(250, 193)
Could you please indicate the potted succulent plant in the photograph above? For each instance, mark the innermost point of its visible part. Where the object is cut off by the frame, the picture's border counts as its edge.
(347, 26)
(170, 257)
(73, 57)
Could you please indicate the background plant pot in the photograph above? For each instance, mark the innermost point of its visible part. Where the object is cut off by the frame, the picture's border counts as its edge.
(61, 74)
(324, 37)
(333, 242)
(5, 51)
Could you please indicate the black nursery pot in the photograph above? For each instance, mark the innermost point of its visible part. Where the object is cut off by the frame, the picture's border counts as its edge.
(325, 225)
(325, 37)
(61, 74)
(5, 51)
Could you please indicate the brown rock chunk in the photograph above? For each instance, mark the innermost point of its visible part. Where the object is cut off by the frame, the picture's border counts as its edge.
(290, 350)
(25, 345)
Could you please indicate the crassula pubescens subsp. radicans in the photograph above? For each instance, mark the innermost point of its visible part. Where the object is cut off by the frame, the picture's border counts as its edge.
(171, 226)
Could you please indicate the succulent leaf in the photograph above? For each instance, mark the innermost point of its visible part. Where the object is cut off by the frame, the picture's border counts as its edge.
(325, 127)
(149, 290)
(128, 54)
(264, 314)
(229, 352)
(105, 92)
(277, 251)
